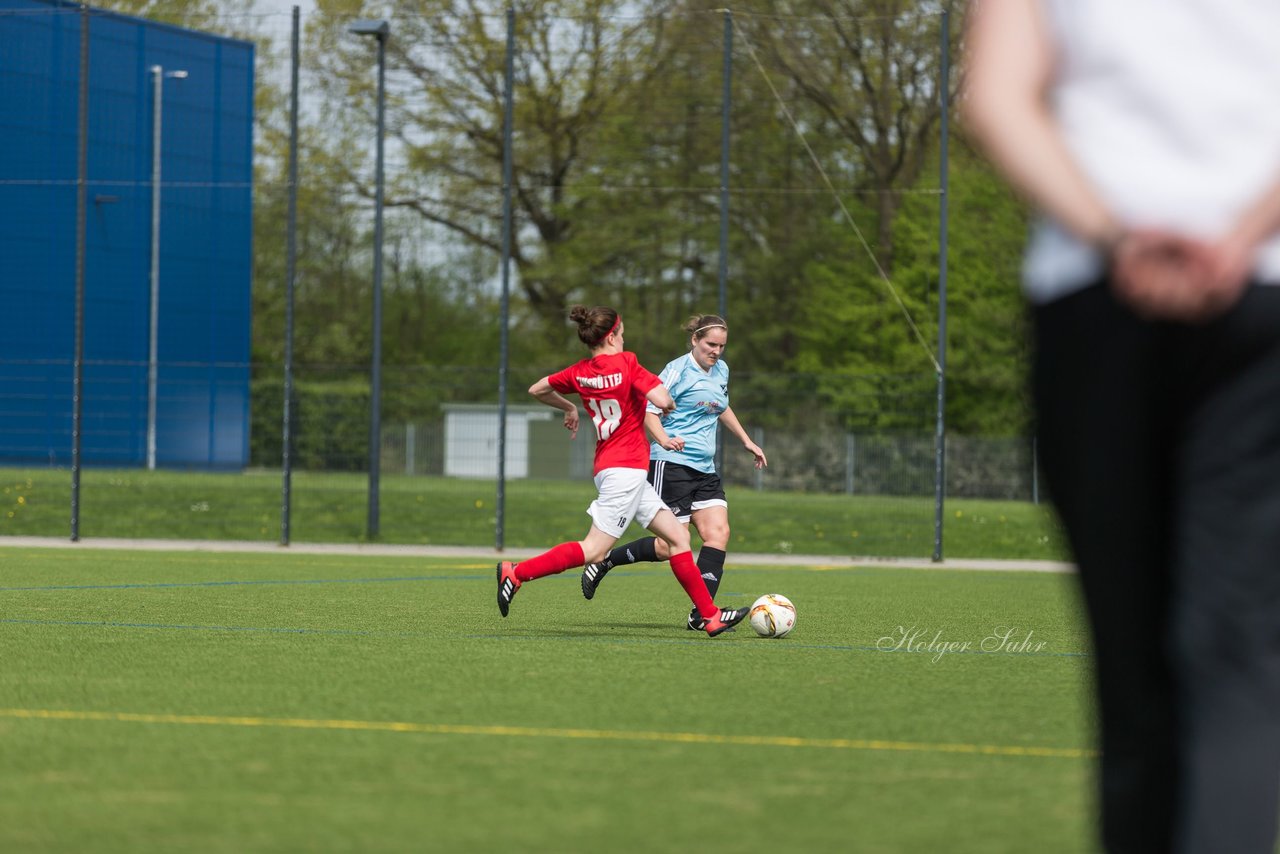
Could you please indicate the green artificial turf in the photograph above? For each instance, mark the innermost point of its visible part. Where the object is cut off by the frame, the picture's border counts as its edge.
(449, 511)
(253, 702)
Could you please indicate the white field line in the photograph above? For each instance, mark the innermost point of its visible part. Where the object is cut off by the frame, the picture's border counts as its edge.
(739, 558)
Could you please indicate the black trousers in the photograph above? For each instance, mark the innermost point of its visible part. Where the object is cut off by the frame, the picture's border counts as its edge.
(1161, 448)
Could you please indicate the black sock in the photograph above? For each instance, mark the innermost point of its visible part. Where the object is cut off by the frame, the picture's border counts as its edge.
(711, 565)
(640, 550)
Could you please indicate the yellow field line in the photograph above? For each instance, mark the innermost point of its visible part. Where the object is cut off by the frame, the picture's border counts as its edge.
(551, 732)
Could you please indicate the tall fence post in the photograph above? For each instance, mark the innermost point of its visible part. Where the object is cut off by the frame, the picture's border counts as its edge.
(82, 181)
(508, 76)
(374, 523)
(940, 432)
(290, 277)
(726, 101)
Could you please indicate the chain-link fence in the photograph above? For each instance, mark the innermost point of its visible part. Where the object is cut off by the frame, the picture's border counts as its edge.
(781, 170)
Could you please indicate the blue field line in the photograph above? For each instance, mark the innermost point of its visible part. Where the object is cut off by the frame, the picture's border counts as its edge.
(779, 644)
(488, 576)
(758, 646)
(103, 624)
(259, 582)
(394, 579)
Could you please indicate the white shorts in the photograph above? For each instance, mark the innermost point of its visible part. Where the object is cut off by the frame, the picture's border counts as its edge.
(625, 494)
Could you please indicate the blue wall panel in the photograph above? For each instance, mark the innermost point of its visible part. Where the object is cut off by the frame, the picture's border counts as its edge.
(205, 239)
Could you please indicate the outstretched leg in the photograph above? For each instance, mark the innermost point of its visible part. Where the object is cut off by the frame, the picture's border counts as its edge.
(643, 549)
(557, 559)
(713, 527)
(664, 524)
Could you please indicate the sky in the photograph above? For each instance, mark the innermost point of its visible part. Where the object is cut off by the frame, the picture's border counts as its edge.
(286, 6)
(279, 12)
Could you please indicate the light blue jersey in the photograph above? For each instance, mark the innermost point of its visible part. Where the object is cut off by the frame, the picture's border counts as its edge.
(700, 396)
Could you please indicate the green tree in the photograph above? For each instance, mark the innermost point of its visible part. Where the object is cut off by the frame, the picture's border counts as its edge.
(616, 187)
(445, 117)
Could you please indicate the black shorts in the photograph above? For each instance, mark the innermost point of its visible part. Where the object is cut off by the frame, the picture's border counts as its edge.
(684, 490)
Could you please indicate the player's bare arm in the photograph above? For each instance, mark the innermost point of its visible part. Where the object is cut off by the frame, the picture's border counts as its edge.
(653, 426)
(661, 398)
(735, 427)
(543, 391)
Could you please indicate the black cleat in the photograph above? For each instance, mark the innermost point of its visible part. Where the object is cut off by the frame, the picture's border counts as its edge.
(592, 575)
(725, 620)
(696, 622)
(508, 584)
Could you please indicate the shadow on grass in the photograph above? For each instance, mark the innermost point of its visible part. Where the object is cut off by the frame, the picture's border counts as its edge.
(613, 631)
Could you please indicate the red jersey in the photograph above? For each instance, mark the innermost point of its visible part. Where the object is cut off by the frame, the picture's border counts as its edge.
(613, 388)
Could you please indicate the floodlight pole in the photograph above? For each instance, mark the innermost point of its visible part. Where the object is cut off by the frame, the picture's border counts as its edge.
(158, 74)
(504, 348)
(291, 269)
(379, 29)
(726, 112)
(726, 103)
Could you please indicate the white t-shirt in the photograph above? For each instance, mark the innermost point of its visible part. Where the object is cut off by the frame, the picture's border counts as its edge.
(1172, 110)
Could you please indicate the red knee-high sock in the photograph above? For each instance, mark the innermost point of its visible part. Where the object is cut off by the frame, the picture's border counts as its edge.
(686, 572)
(558, 559)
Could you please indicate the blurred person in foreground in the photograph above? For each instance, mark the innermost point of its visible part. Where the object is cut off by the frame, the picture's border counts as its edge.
(686, 478)
(1148, 134)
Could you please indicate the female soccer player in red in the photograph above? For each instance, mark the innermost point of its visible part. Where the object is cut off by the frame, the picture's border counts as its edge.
(615, 387)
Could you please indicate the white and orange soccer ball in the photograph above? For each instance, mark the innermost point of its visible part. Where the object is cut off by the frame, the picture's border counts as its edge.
(773, 616)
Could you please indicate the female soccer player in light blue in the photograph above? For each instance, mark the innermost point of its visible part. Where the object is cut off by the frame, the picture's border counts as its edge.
(687, 479)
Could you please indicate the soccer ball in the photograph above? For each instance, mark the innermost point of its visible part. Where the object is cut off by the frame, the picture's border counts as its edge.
(773, 615)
